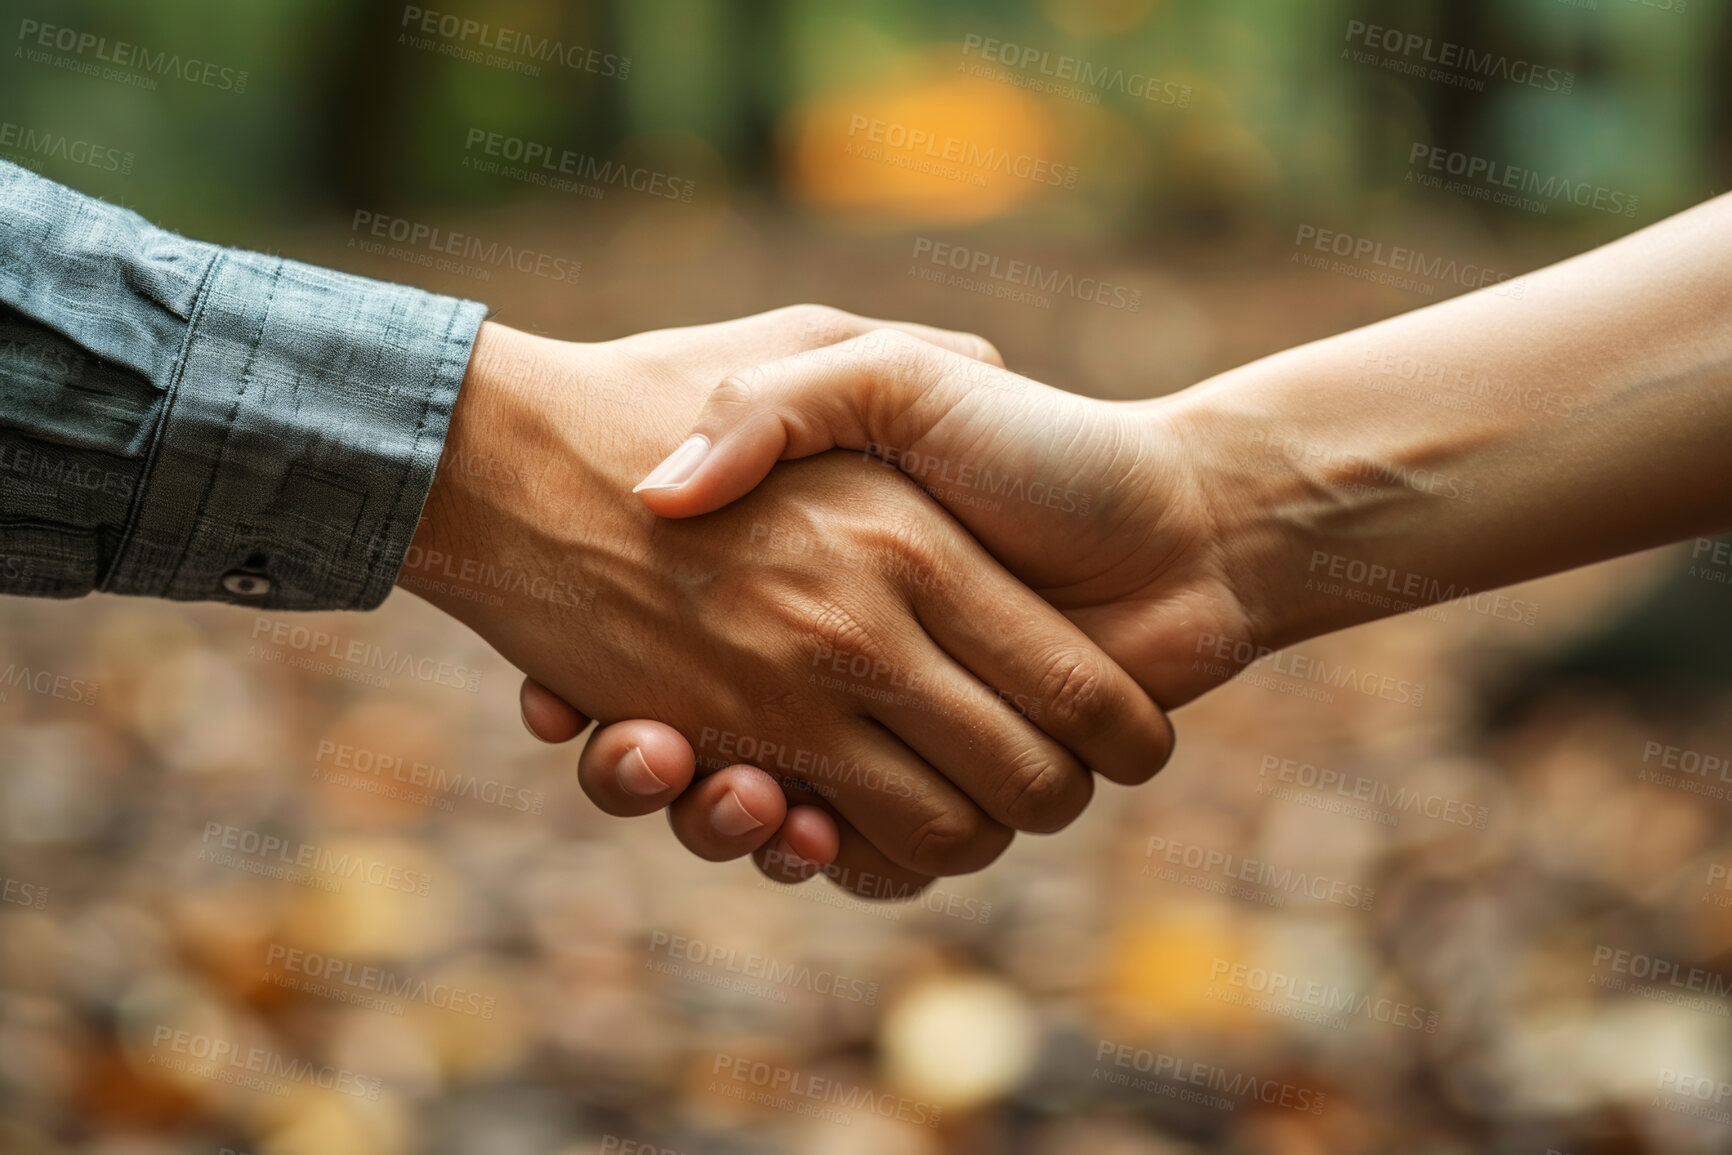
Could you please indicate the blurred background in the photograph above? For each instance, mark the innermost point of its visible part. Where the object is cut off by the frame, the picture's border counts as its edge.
(254, 900)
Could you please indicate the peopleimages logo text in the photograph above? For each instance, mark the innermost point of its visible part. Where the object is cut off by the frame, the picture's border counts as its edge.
(46, 682)
(954, 150)
(1238, 1085)
(458, 30)
(222, 1056)
(1060, 67)
(1257, 872)
(124, 54)
(1328, 998)
(1404, 259)
(463, 246)
(727, 960)
(798, 1091)
(540, 159)
(311, 856)
(1026, 274)
(329, 969)
(1418, 50)
(32, 143)
(1497, 175)
(361, 656)
(1359, 788)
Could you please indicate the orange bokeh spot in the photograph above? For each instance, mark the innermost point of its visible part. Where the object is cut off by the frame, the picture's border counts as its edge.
(1162, 970)
(946, 150)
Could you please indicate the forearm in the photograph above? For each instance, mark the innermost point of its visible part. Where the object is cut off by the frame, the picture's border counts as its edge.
(1482, 441)
(186, 421)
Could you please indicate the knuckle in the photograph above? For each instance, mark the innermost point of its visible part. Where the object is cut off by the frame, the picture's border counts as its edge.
(980, 349)
(895, 532)
(1041, 795)
(956, 841)
(1075, 695)
(736, 390)
(822, 324)
(902, 552)
(836, 629)
(898, 350)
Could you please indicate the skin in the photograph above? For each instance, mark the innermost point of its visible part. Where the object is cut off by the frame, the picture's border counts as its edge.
(968, 708)
(1517, 431)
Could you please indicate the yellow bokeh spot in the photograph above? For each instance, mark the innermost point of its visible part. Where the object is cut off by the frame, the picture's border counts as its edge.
(1162, 966)
(946, 149)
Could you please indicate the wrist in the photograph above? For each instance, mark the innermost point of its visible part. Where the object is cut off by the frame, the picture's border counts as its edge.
(531, 503)
(1238, 494)
(477, 462)
(1335, 507)
(1295, 491)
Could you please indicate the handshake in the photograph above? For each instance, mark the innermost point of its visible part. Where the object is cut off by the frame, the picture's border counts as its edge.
(851, 597)
(969, 595)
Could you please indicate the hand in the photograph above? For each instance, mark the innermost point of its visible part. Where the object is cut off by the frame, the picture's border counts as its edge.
(976, 708)
(1100, 507)
(632, 768)
(1426, 458)
(1089, 500)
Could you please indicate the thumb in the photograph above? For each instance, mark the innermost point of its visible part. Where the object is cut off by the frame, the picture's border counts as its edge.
(883, 388)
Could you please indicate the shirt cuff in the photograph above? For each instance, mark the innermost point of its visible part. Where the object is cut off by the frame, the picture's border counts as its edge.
(302, 428)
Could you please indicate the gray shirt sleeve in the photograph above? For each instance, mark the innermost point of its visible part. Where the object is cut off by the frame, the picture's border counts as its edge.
(186, 421)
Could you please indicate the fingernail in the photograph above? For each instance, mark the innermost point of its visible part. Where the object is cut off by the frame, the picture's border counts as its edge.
(679, 466)
(636, 776)
(731, 818)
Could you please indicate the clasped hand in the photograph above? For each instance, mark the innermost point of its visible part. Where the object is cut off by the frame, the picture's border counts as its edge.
(939, 636)
(912, 696)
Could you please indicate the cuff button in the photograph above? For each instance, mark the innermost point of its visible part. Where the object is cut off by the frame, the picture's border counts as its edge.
(246, 585)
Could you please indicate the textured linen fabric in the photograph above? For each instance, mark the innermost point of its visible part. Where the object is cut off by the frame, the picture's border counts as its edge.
(186, 421)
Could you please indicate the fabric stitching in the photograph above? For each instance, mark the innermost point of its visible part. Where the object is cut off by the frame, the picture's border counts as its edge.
(393, 514)
(229, 423)
(135, 513)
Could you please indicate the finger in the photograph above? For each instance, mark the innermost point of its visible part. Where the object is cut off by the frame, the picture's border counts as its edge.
(858, 867)
(729, 813)
(971, 732)
(881, 389)
(1043, 666)
(548, 716)
(632, 768)
(910, 811)
(894, 798)
(807, 842)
